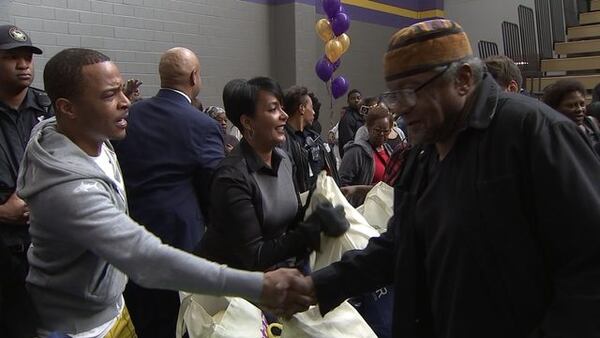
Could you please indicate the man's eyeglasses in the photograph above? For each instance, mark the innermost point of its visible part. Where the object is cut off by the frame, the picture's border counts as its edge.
(407, 97)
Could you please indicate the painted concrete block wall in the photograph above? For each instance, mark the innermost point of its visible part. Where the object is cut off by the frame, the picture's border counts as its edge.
(482, 19)
(230, 36)
(234, 39)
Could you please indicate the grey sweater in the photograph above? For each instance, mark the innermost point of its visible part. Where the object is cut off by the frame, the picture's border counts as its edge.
(84, 245)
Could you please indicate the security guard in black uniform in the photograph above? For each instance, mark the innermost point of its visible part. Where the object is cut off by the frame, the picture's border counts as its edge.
(21, 108)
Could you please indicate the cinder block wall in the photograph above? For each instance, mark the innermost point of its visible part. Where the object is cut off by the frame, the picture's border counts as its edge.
(231, 37)
(234, 39)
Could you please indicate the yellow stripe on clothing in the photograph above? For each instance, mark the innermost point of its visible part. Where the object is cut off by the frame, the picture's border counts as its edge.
(123, 328)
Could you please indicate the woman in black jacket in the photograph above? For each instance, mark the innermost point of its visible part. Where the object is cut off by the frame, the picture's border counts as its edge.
(255, 214)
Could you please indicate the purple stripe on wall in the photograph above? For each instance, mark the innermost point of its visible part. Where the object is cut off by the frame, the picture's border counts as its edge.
(367, 15)
(282, 2)
(376, 17)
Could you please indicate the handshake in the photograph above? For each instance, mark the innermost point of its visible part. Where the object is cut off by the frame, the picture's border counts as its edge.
(286, 292)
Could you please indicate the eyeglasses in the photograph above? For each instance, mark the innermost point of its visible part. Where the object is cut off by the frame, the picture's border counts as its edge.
(407, 97)
(378, 131)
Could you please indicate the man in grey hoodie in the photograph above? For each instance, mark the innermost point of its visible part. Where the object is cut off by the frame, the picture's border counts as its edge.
(84, 245)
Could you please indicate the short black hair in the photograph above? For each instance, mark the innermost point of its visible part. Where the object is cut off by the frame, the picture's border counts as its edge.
(504, 70)
(376, 113)
(62, 74)
(240, 96)
(316, 104)
(352, 91)
(293, 98)
(554, 93)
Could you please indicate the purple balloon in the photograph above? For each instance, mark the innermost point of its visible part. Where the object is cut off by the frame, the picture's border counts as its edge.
(340, 23)
(332, 7)
(336, 64)
(339, 87)
(324, 69)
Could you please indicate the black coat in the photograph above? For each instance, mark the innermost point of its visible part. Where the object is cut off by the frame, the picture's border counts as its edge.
(299, 156)
(519, 215)
(168, 158)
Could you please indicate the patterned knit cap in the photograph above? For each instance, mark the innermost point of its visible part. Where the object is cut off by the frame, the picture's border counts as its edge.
(424, 46)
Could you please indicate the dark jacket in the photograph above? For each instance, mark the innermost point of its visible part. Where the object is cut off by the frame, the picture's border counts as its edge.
(17, 315)
(357, 166)
(521, 210)
(300, 156)
(168, 159)
(237, 234)
(349, 124)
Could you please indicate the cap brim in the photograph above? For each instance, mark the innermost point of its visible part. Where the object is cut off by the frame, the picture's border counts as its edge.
(15, 45)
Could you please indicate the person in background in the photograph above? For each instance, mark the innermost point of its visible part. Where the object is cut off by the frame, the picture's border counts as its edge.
(257, 221)
(316, 124)
(396, 136)
(506, 73)
(350, 121)
(21, 108)
(568, 98)
(218, 114)
(307, 150)
(132, 90)
(168, 158)
(364, 163)
(593, 109)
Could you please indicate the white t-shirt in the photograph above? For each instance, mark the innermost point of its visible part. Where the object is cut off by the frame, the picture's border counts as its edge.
(107, 161)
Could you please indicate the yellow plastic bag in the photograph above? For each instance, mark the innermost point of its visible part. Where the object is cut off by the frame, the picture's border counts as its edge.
(204, 316)
(356, 237)
(342, 322)
(379, 206)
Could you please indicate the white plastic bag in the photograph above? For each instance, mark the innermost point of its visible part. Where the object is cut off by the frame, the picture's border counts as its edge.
(342, 322)
(218, 317)
(356, 237)
(379, 206)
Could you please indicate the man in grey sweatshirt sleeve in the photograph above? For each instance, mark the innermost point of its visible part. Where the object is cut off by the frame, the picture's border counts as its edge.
(84, 245)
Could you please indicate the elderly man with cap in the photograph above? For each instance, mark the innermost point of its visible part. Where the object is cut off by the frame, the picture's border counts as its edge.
(21, 107)
(496, 225)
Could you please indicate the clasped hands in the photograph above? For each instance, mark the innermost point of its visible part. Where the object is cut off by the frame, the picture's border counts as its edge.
(286, 292)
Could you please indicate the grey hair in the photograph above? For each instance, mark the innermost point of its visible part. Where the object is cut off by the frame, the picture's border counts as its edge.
(477, 66)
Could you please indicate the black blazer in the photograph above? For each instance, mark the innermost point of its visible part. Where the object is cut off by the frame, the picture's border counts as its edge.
(168, 159)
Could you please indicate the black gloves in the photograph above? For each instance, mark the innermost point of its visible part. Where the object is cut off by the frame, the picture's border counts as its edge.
(326, 218)
(333, 219)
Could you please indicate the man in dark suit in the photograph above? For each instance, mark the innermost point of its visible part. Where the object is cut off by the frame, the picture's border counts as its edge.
(167, 160)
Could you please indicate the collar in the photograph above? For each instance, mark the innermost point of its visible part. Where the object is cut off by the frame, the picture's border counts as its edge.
(484, 107)
(255, 163)
(30, 101)
(179, 92)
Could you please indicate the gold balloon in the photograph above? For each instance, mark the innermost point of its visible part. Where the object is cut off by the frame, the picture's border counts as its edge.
(333, 50)
(323, 28)
(344, 39)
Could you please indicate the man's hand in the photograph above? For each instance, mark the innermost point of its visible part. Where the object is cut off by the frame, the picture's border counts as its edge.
(287, 291)
(132, 89)
(14, 210)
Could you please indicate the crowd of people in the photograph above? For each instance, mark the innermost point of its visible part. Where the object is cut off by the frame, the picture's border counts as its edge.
(112, 202)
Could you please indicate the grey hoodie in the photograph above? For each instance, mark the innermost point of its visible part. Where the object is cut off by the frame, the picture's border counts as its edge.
(357, 165)
(84, 245)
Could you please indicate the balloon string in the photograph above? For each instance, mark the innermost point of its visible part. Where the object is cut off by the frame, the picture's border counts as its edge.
(331, 112)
